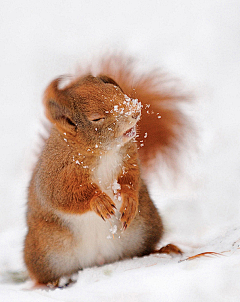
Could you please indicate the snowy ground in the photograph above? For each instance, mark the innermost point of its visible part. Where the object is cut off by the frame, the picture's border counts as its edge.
(195, 41)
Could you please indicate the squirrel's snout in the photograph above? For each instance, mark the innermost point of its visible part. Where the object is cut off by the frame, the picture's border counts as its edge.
(136, 114)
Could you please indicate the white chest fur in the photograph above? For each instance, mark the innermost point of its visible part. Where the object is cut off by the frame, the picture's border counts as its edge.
(97, 241)
(107, 171)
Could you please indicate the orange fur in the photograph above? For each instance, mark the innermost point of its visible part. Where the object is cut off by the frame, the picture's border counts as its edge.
(87, 185)
(163, 127)
(206, 254)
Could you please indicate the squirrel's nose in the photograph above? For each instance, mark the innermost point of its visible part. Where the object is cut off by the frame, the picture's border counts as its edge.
(136, 114)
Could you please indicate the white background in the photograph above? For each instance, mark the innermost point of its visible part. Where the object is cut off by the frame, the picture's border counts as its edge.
(196, 41)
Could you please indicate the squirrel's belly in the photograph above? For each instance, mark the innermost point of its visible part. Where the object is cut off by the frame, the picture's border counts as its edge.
(96, 241)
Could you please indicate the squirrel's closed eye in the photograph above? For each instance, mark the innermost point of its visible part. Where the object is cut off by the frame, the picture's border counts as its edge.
(96, 117)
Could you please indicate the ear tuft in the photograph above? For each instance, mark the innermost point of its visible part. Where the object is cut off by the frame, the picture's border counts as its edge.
(108, 80)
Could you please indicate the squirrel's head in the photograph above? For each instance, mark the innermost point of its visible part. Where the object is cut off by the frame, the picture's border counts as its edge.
(93, 112)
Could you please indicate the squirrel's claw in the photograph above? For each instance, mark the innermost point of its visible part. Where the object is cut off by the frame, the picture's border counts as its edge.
(102, 205)
(129, 208)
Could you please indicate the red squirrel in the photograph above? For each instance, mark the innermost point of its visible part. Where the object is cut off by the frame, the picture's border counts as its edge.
(87, 201)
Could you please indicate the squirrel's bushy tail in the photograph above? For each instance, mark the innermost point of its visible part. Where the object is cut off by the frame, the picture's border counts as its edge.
(163, 127)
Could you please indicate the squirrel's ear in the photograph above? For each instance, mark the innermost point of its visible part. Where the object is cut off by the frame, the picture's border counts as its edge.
(108, 80)
(57, 108)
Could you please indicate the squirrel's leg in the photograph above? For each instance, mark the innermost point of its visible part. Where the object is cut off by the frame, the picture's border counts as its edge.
(169, 249)
(146, 229)
(48, 253)
(153, 225)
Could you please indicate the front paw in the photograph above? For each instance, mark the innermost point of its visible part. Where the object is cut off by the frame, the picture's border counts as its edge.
(102, 205)
(129, 206)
